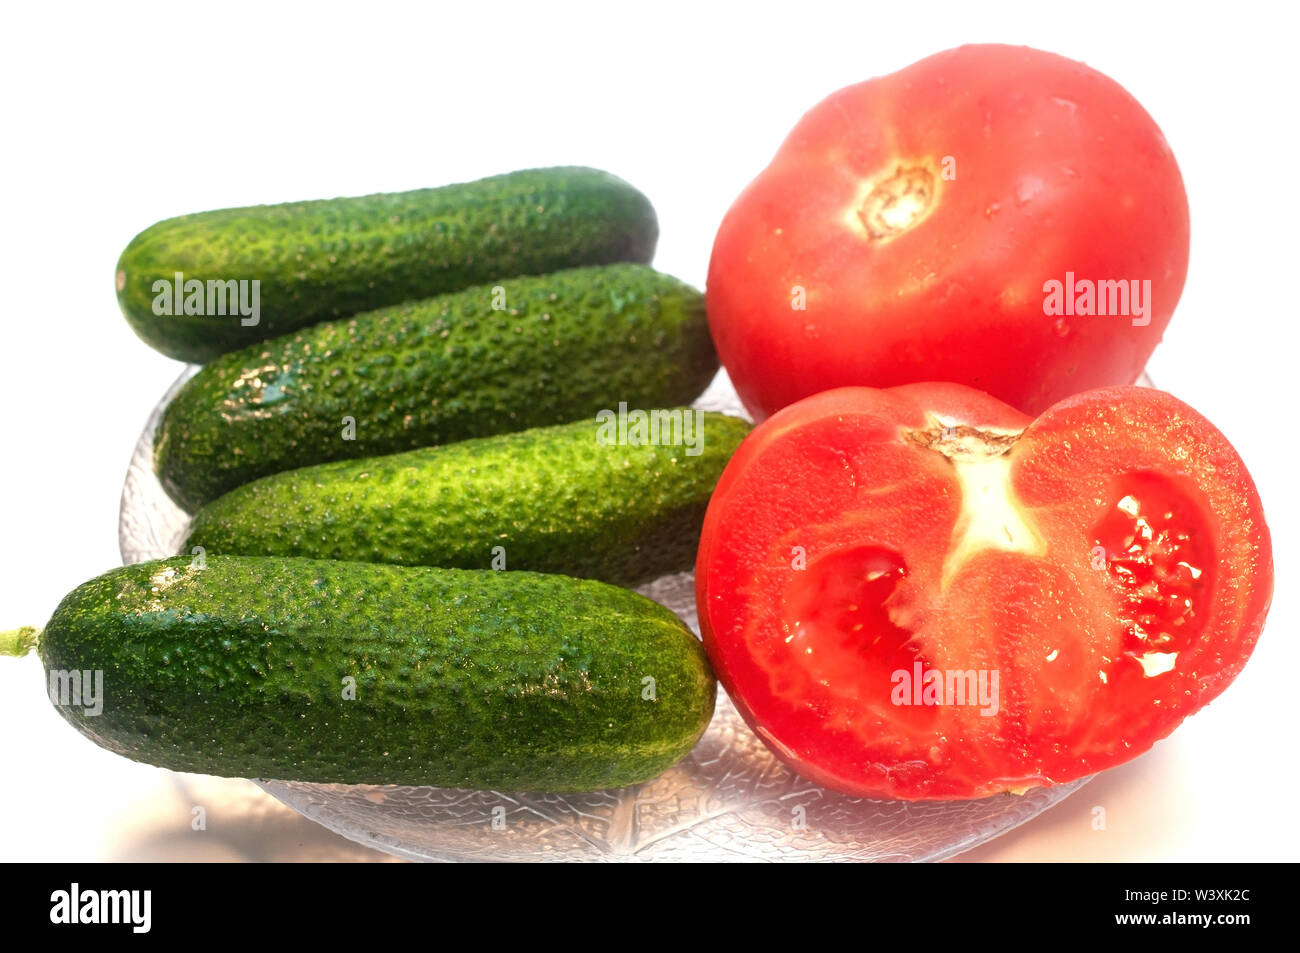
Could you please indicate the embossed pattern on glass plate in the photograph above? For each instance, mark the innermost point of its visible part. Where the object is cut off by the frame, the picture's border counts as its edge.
(729, 800)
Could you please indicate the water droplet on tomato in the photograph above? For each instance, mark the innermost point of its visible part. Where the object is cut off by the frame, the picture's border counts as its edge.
(1027, 188)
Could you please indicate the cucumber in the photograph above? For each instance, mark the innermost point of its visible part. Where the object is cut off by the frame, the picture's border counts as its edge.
(561, 347)
(328, 259)
(313, 670)
(551, 499)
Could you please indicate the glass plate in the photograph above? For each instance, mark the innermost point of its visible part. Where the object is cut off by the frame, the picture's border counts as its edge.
(729, 800)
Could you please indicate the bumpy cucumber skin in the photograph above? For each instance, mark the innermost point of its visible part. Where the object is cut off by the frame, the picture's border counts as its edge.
(475, 679)
(328, 259)
(554, 498)
(567, 345)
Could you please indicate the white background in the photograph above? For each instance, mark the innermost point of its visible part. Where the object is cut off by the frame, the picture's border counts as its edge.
(117, 116)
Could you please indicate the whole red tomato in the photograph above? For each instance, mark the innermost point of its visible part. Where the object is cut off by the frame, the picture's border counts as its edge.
(922, 593)
(993, 215)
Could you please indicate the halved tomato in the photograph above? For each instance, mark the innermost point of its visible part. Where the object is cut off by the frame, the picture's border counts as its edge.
(922, 593)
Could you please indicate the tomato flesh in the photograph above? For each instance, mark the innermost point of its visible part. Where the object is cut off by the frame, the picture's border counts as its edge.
(1159, 565)
(922, 593)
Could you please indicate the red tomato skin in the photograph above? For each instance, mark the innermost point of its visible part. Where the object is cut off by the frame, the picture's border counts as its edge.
(1046, 478)
(1055, 169)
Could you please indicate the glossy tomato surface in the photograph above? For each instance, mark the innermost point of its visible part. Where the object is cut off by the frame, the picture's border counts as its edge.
(911, 226)
(922, 593)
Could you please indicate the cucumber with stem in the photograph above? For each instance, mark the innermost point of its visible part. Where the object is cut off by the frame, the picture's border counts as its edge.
(324, 671)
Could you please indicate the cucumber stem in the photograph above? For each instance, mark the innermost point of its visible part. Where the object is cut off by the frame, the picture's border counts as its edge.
(19, 642)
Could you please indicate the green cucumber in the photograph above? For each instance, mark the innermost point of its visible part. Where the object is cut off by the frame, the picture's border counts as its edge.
(314, 261)
(313, 670)
(551, 499)
(526, 352)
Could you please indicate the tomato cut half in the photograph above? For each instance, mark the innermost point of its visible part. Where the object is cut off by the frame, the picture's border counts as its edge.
(922, 593)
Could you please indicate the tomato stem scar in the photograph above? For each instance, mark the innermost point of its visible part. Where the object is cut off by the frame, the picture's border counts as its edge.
(898, 202)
